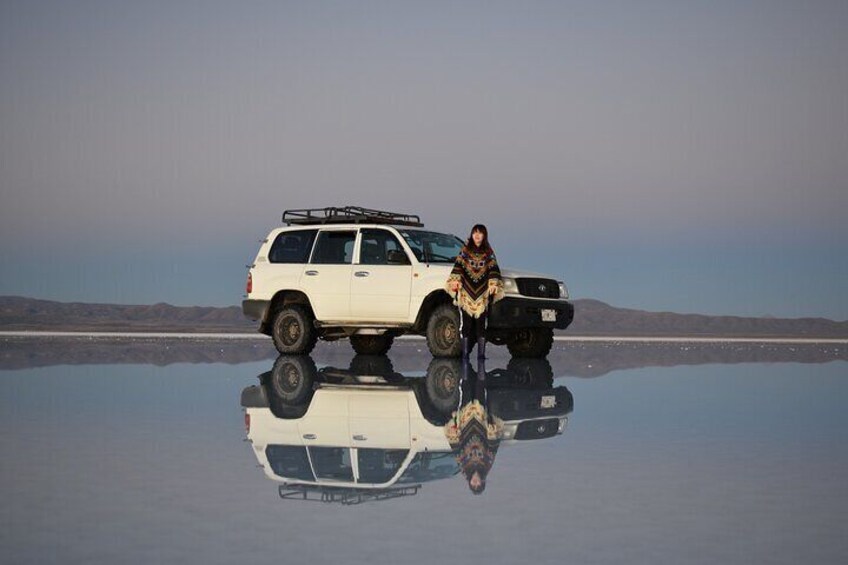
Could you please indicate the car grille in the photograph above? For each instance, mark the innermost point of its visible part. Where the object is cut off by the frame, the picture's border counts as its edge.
(539, 288)
(537, 429)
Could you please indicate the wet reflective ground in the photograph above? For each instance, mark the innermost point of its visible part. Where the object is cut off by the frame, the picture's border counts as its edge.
(695, 457)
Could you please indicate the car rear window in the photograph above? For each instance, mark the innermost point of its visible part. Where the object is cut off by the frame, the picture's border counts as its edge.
(292, 247)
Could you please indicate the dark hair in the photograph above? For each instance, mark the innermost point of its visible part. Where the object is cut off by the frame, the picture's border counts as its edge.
(482, 229)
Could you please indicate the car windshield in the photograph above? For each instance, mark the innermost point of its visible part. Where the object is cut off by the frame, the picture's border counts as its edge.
(432, 247)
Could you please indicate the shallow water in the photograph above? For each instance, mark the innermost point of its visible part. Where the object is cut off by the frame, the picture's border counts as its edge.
(688, 463)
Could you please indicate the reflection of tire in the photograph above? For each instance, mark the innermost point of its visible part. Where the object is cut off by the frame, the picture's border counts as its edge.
(372, 365)
(372, 344)
(443, 332)
(292, 378)
(531, 342)
(530, 373)
(292, 330)
(442, 384)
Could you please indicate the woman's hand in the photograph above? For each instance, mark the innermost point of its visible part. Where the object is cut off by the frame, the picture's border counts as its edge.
(454, 285)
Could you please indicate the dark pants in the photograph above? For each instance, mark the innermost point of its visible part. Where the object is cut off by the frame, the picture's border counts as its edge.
(472, 327)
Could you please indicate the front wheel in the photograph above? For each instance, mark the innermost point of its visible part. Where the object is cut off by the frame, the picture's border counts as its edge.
(293, 332)
(443, 332)
(444, 377)
(531, 342)
(372, 344)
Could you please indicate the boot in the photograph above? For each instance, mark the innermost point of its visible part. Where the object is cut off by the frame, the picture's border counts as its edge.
(464, 345)
(481, 348)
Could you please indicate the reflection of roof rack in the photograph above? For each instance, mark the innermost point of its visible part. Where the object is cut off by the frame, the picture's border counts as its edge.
(345, 496)
(349, 215)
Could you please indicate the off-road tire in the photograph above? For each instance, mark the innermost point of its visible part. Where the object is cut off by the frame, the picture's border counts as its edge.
(375, 366)
(292, 378)
(531, 342)
(443, 332)
(372, 344)
(292, 331)
(442, 384)
(530, 374)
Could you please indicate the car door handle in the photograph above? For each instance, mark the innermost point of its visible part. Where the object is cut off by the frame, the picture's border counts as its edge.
(359, 438)
(311, 273)
(310, 436)
(361, 274)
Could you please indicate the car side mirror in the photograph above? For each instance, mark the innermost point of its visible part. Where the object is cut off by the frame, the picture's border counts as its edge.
(397, 257)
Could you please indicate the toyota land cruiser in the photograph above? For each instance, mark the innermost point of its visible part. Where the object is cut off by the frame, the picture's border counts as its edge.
(371, 275)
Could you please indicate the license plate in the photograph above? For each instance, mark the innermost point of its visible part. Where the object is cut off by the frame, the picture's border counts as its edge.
(548, 402)
(548, 315)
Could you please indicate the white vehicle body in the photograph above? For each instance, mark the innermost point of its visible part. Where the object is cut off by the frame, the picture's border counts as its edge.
(356, 280)
(349, 422)
(358, 293)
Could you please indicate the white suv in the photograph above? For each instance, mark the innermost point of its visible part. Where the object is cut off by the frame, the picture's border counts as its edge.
(370, 275)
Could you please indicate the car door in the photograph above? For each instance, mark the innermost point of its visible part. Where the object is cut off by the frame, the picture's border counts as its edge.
(326, 279)
(380, 290)
(326, 423)
(379, 418)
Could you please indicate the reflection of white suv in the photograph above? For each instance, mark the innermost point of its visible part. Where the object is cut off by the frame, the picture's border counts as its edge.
(369, 428)
(354, 437)
(370, 275)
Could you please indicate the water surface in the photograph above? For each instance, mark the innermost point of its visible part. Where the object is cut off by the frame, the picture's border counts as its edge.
(690, 463)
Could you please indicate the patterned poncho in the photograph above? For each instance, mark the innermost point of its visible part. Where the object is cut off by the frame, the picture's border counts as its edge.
(476, 435)
(477, 271)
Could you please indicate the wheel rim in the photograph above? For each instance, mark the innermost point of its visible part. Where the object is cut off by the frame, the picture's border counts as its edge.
(291, 378)
(288, 379)
(290, 330)
(446, 382)
(446, 333)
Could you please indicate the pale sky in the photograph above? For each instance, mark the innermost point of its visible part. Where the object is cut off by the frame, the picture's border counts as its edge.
(686, 156)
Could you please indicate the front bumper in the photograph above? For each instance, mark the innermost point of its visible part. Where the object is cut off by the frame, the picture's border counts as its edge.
(255, 309)
(516, 312)
(512, 404)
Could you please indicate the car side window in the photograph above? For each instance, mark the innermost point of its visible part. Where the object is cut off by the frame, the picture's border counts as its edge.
(375, 245)
(334, 248)
(292, 247)
(332, 463)
(379, 465)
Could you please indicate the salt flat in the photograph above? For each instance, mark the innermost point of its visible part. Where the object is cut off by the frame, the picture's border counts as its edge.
(576, 338)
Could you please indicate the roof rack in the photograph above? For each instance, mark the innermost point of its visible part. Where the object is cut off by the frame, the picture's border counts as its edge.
(349, 215)
(344, 496)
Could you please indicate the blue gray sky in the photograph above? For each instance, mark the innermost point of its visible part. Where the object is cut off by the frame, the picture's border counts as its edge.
(659, 155)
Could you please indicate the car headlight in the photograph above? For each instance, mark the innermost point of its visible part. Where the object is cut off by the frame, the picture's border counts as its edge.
(510, 285)
(563, 290)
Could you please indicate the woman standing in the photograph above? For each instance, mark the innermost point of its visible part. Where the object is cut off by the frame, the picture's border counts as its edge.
(474, 278)
(473, 431)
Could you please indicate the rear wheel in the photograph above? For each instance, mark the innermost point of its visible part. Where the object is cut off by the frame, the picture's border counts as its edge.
(292, 331)
(292, 377)
(443, 332)
(372, 344)
(531, 342)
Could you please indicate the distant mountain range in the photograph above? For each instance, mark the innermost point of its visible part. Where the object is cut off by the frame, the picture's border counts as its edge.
(592, 318)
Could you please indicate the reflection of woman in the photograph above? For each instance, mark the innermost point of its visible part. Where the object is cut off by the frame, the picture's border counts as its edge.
(474, 278)
(474, 432)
